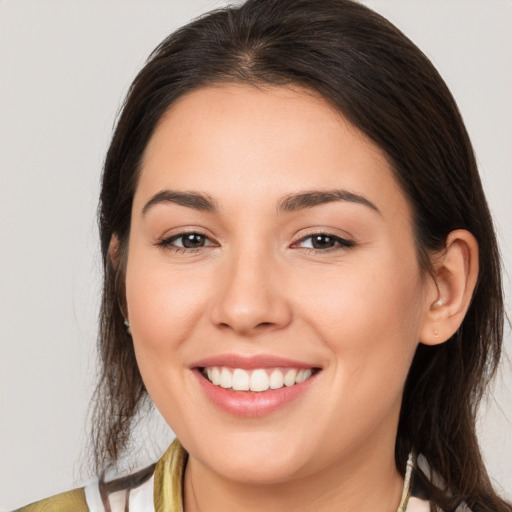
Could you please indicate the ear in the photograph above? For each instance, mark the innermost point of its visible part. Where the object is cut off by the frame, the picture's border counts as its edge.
(451, 287)
(113, 251)
(115, 255)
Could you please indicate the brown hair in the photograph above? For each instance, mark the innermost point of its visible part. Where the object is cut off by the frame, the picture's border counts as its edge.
(383, 84)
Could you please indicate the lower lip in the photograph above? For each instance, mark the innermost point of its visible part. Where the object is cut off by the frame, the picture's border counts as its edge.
(251, 404)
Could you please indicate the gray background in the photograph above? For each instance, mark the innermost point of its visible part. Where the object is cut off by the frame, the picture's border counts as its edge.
(64, 68)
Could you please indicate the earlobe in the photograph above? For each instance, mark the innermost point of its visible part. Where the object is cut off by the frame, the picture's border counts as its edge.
(453, 283)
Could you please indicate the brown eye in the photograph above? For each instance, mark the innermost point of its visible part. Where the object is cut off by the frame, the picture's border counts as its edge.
(184, 241)
(324, 241)
(192, 240)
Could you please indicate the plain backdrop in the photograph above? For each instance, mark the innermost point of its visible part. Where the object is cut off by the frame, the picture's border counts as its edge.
(64, 68)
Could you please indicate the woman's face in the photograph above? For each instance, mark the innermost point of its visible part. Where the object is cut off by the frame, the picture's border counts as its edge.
(271, 243)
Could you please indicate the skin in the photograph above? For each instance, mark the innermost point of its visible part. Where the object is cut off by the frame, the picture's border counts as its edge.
(258, 287)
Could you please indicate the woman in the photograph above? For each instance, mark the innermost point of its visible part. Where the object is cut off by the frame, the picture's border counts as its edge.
(300, 271)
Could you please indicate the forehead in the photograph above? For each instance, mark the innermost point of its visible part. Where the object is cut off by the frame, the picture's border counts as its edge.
(261, 143)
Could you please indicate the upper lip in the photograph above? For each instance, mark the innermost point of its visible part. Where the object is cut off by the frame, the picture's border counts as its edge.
(250, 362)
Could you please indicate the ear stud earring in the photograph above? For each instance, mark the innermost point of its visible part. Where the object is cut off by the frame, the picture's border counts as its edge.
(127, 325)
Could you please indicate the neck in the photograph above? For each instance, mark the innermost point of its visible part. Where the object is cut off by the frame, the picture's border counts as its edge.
(369, 483)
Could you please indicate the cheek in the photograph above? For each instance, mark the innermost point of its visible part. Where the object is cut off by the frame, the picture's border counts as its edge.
(164, 304)
(370, 316)
(164, 307)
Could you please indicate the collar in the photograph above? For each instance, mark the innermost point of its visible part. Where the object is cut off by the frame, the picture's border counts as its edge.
(170, 470)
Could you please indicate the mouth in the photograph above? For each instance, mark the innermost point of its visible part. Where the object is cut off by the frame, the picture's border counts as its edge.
(257, 380)
(254, 386)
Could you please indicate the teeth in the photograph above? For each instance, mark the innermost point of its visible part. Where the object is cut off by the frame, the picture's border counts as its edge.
(226, 380)
(240, 380)
(215, 378)
(303, 375)
(276, 380)
(257, 380)
(289, 378)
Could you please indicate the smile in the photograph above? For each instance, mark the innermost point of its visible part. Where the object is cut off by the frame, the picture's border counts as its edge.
(256, 380)
(256, 385)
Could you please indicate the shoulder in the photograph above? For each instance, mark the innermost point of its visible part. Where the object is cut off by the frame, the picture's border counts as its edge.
(133, 493)
(71, 501)
(420, 498)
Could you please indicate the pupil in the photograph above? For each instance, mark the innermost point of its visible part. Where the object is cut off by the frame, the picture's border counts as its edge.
(193, 240)
(322, 241)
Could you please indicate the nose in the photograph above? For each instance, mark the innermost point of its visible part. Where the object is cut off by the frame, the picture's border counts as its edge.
(251, 297)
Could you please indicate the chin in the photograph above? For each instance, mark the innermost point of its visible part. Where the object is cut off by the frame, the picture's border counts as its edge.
(260, 471)
(255, 459)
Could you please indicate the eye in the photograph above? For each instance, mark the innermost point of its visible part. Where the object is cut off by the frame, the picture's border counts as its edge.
(324, 242)
(186, 241)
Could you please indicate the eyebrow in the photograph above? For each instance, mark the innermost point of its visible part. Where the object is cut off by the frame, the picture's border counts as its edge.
(302, 200)
(290, 203)
(194, 200)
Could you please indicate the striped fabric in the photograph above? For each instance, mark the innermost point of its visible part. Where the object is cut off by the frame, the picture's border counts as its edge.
(160, 489)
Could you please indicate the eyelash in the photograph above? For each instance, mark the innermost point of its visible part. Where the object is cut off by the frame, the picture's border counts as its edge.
(168, 243)
(339, 242)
